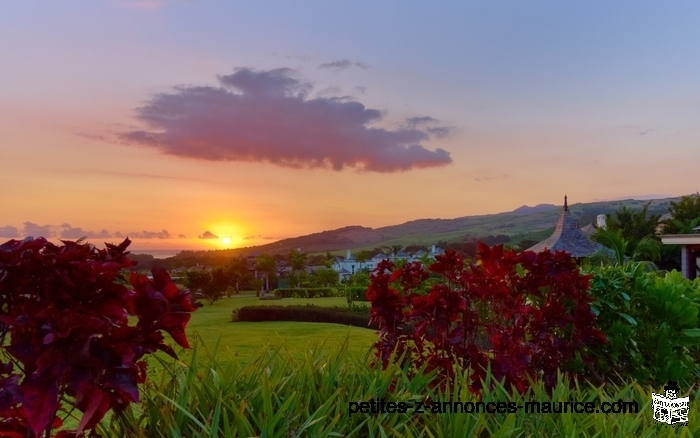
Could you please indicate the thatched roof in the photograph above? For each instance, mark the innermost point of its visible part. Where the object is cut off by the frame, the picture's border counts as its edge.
(567, 237)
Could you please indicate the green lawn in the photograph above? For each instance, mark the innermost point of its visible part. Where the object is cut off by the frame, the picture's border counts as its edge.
(242, 340)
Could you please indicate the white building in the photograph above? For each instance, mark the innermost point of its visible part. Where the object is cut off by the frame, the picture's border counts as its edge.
(348, 265)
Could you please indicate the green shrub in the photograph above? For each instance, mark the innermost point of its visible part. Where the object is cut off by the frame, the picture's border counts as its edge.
(356, 316)
(356, 293)
(651, 323)
(308, 292)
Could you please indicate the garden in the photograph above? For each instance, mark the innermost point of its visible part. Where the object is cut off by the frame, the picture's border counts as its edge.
(90, 348)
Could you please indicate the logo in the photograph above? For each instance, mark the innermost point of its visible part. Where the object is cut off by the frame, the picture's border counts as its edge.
(669, 408)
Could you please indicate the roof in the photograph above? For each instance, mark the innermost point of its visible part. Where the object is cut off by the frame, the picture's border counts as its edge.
(588, 230)
(438, 251)
(567, 237)
(680, 239)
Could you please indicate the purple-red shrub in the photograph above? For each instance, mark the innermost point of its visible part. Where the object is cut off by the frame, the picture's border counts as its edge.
(65, 335)
(532, 309)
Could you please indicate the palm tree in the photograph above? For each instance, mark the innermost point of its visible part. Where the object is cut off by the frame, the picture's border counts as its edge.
(685, 228)
(328, 260)
(297, 260)
(268, 266)
(620, 250)
(362, 257)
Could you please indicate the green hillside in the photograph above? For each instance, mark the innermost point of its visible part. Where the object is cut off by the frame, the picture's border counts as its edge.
(530, 223)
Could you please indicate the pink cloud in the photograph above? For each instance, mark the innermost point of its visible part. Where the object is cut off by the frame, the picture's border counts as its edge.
(34, 230)
(68, 232)
(163, 234)
(265, 116)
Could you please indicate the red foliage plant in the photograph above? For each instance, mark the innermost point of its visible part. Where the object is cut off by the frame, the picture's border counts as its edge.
(66, 337)
(523, 315)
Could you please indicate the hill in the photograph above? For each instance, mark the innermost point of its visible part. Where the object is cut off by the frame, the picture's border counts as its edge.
(522, 224)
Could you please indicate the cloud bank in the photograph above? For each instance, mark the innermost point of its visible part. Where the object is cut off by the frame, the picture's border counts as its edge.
(66, 231)
(265, 116)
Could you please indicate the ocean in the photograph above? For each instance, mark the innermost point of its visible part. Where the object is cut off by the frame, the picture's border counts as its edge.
(158, 253)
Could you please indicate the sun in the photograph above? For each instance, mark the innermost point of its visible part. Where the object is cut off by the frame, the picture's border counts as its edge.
(226, 240)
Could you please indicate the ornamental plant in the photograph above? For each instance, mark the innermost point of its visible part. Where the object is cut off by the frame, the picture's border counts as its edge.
(652, 321)
(522, 315)
(74, 332)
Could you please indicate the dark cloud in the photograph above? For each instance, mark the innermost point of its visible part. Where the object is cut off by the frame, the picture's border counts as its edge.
(416, 121)
(362, 65)
(118, 235)
(68, 232)
(440, 131)
(162, 234)
(360, 90)
(208, 235)
(181, 236)
(340, 64)
(428, 124)
(264, 116)
(9, 231)
(34, 230)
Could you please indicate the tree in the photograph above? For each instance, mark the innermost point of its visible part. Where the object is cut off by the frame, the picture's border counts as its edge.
(328, 260)
(268, 267)
(684, 212)
(218, 283)
(297, 260)
(197, 279)
(634, 225)
(362, 257)
(297, 278)
(645, 252)
(257, 285)
(238, 272)
(327, 277)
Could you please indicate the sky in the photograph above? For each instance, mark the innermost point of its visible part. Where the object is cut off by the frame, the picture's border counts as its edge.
(213, 124)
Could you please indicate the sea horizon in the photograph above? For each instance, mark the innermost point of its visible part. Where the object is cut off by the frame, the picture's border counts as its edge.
(158, 253)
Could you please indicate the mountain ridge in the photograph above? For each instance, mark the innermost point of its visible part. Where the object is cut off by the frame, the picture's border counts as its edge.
(522, 223)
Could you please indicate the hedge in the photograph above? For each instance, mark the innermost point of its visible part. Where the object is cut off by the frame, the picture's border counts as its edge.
(356, 293)
(309, 292)
(357, 317)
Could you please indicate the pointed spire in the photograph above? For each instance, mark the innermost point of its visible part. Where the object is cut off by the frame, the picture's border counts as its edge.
(566, 205)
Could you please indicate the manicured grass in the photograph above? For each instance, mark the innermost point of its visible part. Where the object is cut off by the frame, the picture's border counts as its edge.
(243, 340)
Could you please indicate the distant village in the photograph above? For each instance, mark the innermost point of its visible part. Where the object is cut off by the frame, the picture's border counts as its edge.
(567, 236)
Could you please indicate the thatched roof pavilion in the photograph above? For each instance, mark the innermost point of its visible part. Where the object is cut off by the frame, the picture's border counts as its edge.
(567, 237)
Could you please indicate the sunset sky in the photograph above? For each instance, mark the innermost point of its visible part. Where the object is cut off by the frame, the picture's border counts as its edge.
(174, 121)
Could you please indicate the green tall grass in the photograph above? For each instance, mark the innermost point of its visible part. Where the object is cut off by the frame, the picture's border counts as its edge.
(280, 395)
